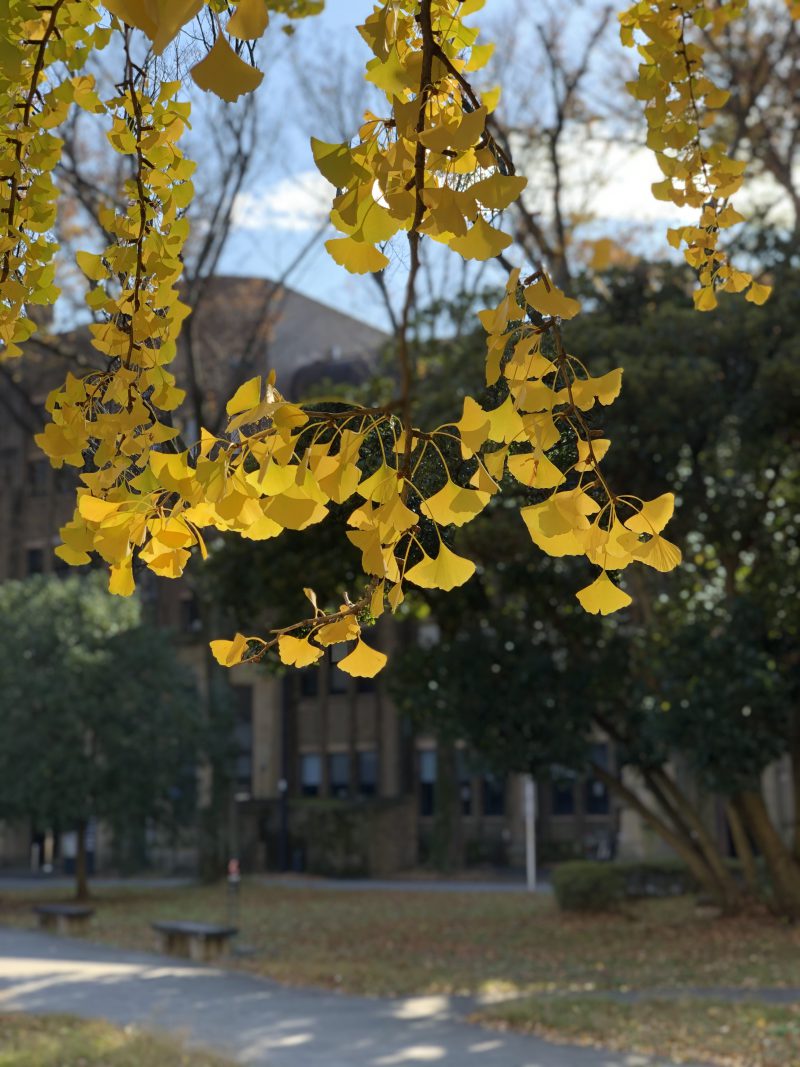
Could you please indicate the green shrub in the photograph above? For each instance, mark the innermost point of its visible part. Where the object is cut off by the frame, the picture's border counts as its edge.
(586, 886)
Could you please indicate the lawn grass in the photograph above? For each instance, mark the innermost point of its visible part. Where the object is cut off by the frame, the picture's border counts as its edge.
(402, 943)
(64, 1041)
(706, 1031)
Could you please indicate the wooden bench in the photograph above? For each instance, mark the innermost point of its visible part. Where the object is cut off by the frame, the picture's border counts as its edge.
(195, 941)
(64, 918)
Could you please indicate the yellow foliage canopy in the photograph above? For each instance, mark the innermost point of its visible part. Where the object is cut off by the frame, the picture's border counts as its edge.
(427, 168)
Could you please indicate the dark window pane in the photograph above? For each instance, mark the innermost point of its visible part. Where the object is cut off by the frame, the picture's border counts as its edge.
(38, 476)
(339, 682)
(597, 801)
(427, 781)
(34, 561)
(310, 774)
(562, 797)
(494, 795)
(190, 614)
(339, 773)
(368, 773)
(309, 682)
(243, 737)
(464, 771)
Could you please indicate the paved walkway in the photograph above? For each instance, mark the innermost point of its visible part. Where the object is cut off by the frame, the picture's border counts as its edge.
(405, 885)
(261, 1023)
(23, 880)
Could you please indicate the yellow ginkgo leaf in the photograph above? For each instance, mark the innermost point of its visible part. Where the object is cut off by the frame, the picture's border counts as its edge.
(346, 629)
(535, 469)
(591, 452)
(549, 300)
(297, 651)
(473, 427)
(376, 604)
(585, 391)
(120, 581)
(658, 553)
(363, 661)
(653, 515)
(224, 73)
(453, 505)
(602, 597)
(73, 557)
(563, 542)
(95, 510)
(335, 162)
(229, 653)
(247, 396)
(505, 424)
(705, 299)
(757, 293)
(446, 571)
(499, 191)
(389, 75)
(135, 13)
(169, 16)
(249, 20)
(481, 242)
(356, 256)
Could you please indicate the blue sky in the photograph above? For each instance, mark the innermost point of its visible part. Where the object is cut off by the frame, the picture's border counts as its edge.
(284, 202)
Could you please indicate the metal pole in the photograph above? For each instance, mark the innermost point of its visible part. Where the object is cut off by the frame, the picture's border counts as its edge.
(283, 784)
(530, 832)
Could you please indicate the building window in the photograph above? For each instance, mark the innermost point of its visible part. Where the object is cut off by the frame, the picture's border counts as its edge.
(190, 614)
(597, 802)
(243, 738)
(309, 682)
(464, 781)
(339, 774)
(310, 774)
(64, 480)
(368, 773)
(427, 781)
(38, 477)
(562, 791)
(34, 560)
(339, 682)
(494, 794)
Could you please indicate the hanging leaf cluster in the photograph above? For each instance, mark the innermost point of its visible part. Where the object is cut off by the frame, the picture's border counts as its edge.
(681, 99)
(428, 167)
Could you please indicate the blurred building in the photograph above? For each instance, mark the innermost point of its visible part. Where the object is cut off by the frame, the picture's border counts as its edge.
(328, 776)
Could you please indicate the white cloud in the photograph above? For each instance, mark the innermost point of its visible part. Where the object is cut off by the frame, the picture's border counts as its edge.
(297, 203)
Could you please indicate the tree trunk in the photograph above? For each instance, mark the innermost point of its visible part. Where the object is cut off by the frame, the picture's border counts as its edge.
(794, 757)
(447, 841)
(81, 875)
(744, 851)
(698, 833)
(784, 871)
(680, 843)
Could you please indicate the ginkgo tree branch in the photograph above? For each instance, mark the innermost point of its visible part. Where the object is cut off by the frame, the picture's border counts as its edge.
(431, 169)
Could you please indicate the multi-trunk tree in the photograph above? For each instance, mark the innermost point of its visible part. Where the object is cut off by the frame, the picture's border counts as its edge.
(100, 720)
(431, 166)
(697, 684)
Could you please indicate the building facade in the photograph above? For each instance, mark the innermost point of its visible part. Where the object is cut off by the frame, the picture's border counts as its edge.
(328, 775)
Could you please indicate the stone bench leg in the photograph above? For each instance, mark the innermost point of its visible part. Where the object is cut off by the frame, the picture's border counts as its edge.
(174, 945)
(72, 924)
(206, 949)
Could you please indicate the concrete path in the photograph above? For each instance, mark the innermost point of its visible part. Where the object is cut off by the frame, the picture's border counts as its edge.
(22, 880)
(405, 885)
(258, 1022)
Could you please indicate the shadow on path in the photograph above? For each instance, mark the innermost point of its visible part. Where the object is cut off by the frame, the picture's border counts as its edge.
(259, 1022)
